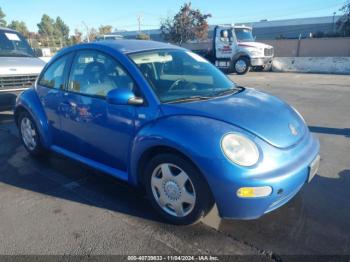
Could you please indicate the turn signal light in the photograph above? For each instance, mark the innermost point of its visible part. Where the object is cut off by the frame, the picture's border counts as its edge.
(249, 192)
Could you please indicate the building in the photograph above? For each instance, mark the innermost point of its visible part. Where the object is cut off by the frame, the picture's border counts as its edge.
(155, 34)
(290, 28)
(293, 28)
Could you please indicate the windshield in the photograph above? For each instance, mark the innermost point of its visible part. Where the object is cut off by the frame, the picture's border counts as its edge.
(13, 44)
(244, 34)
(179, 76)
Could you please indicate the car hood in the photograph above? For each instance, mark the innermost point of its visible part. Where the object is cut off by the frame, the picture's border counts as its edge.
(20, 65)
(258, 113)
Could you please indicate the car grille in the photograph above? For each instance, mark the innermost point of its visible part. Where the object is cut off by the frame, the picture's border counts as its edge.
(17, 81)
(268, 51)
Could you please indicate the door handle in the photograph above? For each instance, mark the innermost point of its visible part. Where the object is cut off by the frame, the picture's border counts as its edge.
(70, 103)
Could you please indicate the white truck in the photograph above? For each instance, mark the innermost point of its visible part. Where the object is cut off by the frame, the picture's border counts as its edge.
(234, 49)
(19, 67)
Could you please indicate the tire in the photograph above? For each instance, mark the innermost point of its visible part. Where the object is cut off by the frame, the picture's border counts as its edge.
(167, 195)
(241, 66)
(29, 134)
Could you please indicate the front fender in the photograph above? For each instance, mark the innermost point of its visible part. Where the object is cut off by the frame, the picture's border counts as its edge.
(29, 101)
(196, 137)
(240, 54)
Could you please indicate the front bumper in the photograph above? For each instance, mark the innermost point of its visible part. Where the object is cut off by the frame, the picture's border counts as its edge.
(8, 98)
(261, 61)
(286, 174)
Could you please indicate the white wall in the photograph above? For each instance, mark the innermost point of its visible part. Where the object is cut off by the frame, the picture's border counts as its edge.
(328, 65)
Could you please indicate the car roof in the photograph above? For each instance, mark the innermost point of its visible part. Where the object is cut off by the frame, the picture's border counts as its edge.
(127, 46)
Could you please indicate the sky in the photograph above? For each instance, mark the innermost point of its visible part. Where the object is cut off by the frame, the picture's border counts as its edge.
(123, 14)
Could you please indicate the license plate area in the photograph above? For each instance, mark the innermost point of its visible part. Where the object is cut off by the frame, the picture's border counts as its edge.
(314, 168)
(223, 64)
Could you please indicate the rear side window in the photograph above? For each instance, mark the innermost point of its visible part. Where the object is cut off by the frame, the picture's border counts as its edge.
(95, 73)
(53, 77)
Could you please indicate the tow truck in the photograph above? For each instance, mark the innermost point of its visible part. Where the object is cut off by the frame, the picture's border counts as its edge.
(234, 49)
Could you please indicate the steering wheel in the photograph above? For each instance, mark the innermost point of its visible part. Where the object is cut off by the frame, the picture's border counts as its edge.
(176, 85)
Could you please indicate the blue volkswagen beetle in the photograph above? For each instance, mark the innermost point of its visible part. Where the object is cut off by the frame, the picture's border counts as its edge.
(163, 118)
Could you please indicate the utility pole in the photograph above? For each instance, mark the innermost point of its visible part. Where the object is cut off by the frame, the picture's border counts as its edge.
(87, 31)
(139, 20)
(333, 25)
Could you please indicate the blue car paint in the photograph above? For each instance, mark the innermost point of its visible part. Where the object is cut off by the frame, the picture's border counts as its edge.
(113, 138)
(247, 110)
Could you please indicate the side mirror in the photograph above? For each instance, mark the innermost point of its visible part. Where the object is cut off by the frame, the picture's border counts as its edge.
(123, 96)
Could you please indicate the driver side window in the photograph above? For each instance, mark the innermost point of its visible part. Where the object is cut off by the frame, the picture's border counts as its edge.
(94, 73)
(226, 36)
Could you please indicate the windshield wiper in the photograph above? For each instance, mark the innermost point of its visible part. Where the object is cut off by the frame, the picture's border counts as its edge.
(197, 98)
(227, 91)
(189, 99)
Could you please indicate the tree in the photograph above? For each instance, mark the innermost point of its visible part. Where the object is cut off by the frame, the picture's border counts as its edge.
(34, 39)
(19, 26)
(46, 30)
(105, 29)
(3, 22)
(46, 26)
(53, 32)
(92, 34)
(187, 24)
(77, 37)
(61, 29)
(344, 22)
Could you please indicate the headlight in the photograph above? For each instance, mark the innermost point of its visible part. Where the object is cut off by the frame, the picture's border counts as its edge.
(240, 149)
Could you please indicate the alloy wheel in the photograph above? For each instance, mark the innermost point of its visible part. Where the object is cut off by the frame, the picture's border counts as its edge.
(28, 133)
(173, 190)
(240, 66)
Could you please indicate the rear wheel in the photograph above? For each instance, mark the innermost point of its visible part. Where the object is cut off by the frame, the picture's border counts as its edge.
(177, 190)
(29, 134)
(241, 65)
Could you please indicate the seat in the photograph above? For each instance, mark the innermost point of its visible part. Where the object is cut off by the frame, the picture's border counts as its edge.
(94, 73)
(96, 80)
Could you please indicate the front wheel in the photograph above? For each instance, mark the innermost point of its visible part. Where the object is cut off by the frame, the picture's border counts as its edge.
(177, 190)
(241, 66)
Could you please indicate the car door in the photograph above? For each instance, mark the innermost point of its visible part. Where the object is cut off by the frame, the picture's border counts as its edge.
(93, 128)
(225, 43)
(50, 90)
